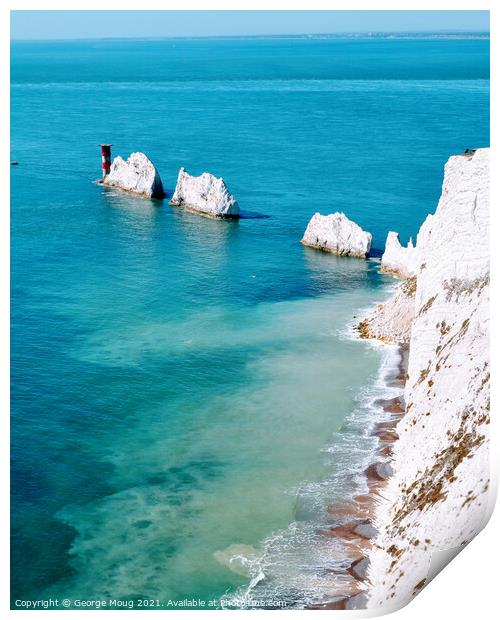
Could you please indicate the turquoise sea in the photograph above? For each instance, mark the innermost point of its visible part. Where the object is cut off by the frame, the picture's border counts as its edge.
(185, 391)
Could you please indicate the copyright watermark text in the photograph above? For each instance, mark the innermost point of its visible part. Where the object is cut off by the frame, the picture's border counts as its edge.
(79, 603)
(114, 603)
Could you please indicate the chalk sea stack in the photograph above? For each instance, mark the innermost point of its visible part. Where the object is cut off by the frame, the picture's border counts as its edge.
(397, 259)
(205, 194)
(337, 234)
(137, 175)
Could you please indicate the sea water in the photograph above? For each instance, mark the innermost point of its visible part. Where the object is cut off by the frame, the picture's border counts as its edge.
(182, 387)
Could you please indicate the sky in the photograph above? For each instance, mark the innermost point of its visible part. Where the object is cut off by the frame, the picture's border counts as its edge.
(139, 24)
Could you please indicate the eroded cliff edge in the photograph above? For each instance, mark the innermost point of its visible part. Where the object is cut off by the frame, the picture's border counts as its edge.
(437, 498)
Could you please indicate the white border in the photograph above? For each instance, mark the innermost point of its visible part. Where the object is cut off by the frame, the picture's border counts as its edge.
(468, 586)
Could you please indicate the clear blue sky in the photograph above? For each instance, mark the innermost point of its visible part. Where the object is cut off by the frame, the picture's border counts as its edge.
(99, 24)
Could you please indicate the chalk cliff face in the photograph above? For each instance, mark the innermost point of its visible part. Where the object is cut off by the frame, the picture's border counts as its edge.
(399, 260)
(337, 234)
(137, 175)
(391, 321)
(438, 499)
(206, 194)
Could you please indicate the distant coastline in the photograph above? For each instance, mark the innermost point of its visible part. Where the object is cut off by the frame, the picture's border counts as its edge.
(418, 35)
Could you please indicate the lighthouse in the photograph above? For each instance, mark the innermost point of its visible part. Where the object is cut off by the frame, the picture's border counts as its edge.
(106, 158)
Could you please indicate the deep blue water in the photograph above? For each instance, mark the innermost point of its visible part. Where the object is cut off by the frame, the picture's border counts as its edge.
(174, 379)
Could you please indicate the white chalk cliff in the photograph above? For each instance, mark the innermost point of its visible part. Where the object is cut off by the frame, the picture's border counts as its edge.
(391, 321)
(337, 234)
(205, 194)
(438, 498)
(137, 175)
(398, 259)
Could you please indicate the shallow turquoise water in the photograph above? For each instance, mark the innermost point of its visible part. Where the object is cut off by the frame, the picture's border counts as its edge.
(176, 381)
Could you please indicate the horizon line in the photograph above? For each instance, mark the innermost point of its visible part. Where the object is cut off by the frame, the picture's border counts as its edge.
(299, 35)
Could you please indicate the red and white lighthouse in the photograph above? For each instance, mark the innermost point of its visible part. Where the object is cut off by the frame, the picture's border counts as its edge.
(106, 158)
